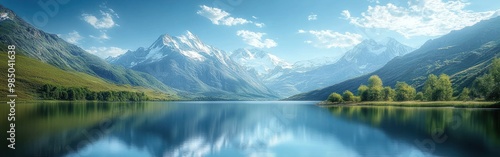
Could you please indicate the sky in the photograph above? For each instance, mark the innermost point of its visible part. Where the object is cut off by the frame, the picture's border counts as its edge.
(293, 30)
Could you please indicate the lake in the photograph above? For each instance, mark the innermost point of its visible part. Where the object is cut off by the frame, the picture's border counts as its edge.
(254, 129)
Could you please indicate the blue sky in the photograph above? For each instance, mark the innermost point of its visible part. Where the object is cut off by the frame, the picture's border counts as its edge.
(291, 29)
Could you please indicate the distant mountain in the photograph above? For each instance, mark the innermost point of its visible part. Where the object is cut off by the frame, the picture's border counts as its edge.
(186, 63)
(33, 74)
(463, 54)
(308, 65)
(51, 49)
(259, 61)
(365, 57)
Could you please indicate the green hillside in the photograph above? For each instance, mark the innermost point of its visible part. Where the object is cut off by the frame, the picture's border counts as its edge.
(49, 48)
(464, 55)
(32, 74)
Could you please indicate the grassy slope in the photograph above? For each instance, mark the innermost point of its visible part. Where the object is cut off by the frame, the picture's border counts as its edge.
(31, 74)
(49, 48)
(464, 55)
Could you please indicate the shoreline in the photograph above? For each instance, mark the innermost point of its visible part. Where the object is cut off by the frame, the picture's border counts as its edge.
(454, 104)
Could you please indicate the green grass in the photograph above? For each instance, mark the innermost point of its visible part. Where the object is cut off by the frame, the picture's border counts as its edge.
(456, 104)
(31, 74)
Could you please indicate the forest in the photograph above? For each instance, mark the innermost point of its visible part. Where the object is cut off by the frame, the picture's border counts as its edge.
(52, 92)
(486, 87)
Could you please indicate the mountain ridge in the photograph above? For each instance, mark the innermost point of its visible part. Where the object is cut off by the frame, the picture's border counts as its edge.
(363, 58)
(463, 54)
(197, 68)
(51, 49)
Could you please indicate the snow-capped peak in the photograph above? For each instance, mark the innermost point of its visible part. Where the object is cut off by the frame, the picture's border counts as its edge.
(191, 36)
(189, 41)
(4, 16)
(386, 46)
(260, 61)
(188, 44)
(307, 65)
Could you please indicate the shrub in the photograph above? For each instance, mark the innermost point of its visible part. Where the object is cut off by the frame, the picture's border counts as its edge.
(335, 97)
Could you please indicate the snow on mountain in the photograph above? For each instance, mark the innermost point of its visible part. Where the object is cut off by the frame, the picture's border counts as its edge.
(307, 65)
(259, 61)
(4, 16)
(365, 57)
(186, 63)
(368, 49)
(188, 45)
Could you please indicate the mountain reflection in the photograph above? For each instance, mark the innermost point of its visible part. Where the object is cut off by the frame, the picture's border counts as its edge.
(440, 131)
(243, 129)
(250, 129)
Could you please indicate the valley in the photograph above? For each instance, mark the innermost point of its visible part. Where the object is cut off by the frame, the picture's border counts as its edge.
(190, 78)
(186, 68)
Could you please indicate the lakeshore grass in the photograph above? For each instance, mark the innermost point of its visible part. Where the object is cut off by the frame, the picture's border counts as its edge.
(456, 104)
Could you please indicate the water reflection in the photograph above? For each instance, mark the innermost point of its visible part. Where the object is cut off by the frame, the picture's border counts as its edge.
(440, 131)
(246, 129)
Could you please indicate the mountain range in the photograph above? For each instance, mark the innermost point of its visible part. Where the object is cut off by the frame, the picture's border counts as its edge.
(258, 61)
(50, 49)
(303, 76)
(463, 55)
(186, 63)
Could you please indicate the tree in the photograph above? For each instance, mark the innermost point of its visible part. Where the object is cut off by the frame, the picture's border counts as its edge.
(107, 96)
(488, 85)
(429, 86)
(374, 94)
(495, 74)
(374, 88)
(444, 89)
(363, 92)
(45, 91)
(438, 89)
(374, 81)
(71, 94)
(91, 96)
(465, 95)
(357, 99)
(419, 96)
(335, 97)
(404, 92)
(348, 96)
(388, 94)
(482, 86)
(64, 95)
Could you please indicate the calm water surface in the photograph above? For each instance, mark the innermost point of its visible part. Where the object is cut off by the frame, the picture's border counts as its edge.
(259, 129)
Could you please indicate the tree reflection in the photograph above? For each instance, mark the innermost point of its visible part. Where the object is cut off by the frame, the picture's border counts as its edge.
(465, 131)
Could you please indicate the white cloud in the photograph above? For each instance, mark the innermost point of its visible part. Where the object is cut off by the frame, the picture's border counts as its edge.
(104, 22)
(374, 1)
(220, 17)
(105, 52)
(254, 17)
(72, 37)
(260, 25)
(301, 31)
(331, 39)
(346, 14)
(312, 17)
(424, 18)
(255, 39)
(101, 37)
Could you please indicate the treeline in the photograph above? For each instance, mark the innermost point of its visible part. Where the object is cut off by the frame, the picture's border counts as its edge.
(51, 92)
(486, 87)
